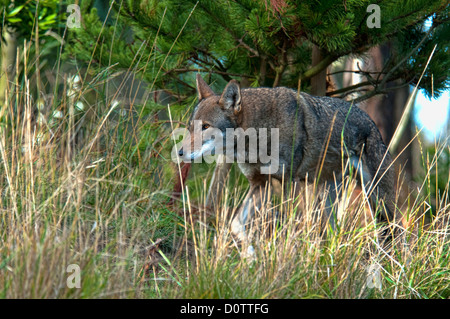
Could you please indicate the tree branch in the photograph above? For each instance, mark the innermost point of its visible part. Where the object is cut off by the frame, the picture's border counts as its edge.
(184, 70)
(348, 88)
(405, 58)
(283, 62)
(318, 67)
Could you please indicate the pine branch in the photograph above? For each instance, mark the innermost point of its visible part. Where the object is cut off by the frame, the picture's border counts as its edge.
(405, 58)
(380, 85)
(318, 67)
(185, 70)
(354, 71)
(282, 67)
(348, 88)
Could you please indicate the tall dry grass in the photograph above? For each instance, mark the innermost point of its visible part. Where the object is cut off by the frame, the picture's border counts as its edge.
(91, 188)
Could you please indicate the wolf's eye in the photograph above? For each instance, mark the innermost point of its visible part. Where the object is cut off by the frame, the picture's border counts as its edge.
(205, 127)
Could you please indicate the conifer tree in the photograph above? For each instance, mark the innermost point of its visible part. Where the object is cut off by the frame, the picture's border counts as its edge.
(265, 43)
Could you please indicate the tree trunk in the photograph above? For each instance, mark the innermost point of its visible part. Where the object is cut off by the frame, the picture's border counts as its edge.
(8, 66)
(318, 81)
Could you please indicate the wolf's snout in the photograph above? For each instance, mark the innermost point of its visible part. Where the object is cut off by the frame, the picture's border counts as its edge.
(180, 152)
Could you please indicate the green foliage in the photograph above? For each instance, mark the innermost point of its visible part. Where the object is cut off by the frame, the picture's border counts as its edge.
(435, 79)
(23, 16)
(39, 26)
(167, 41)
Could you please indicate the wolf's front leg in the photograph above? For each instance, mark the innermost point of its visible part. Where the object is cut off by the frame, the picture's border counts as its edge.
(256, 198)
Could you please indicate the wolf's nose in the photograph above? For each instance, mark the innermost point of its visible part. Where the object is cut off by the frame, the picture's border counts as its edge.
(180, 152)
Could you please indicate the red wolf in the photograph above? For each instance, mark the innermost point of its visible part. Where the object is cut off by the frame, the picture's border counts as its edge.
(310, 132)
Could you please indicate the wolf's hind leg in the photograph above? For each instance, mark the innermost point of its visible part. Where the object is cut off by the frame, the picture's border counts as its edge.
(380, 194)
(336, 189)
(332, 189)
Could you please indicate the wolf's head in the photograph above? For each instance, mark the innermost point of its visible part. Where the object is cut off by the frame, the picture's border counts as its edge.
(210, 119)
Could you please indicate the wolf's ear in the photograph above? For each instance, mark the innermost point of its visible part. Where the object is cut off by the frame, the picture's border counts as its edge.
(231, 97)
(203, 89)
